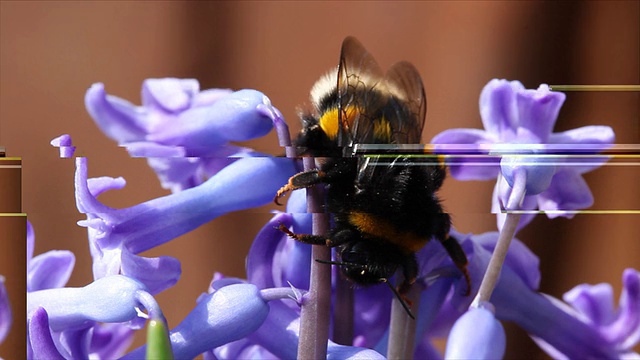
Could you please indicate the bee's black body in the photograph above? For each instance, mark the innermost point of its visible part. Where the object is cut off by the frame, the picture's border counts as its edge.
(385, 208)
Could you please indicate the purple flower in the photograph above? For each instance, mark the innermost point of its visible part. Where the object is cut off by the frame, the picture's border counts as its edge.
(117, 235)
(5, 311)
(51, 270)
(594, 305)
(520, 121)
(477, 335)
(72, 315)
(183, 131)
(561, 330)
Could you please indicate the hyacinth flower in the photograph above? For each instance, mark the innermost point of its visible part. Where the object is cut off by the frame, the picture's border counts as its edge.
(184, 132)
(232, 317)
(63, 321)
(520, 122)
(117, 235)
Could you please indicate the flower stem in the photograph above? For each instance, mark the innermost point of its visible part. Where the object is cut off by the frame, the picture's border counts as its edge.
(504, 240)
(402, 328)
(314, 317)
(343, 312)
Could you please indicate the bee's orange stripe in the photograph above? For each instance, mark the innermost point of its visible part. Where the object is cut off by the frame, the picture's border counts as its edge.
(375, 226)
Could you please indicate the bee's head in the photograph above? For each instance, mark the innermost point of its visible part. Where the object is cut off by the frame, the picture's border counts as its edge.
(366, 263)
(312, 140)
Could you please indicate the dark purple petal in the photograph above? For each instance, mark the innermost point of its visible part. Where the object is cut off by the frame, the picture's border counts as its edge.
(6, 317)
(74, 343)
(260, 258)
(537, 112)
(568, 191)
(476, 335)
(50, 270)
(40, 340)
(499, 109)
(110, 341)
(118, 119)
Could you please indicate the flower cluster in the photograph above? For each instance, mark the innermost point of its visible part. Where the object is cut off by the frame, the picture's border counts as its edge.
(185, 133)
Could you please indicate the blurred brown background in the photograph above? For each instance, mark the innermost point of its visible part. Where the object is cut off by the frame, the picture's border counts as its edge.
(51, 52)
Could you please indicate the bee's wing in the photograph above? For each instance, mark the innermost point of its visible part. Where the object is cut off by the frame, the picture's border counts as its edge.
(405, 112)
(407, 105)
(358, 77)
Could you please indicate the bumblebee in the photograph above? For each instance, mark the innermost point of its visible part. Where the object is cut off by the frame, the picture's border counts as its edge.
(385, 208)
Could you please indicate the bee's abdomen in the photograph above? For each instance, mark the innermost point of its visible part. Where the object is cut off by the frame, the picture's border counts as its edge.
(378, 227)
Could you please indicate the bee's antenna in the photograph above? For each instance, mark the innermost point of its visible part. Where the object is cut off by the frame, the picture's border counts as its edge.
(400, 298)
(331, 262)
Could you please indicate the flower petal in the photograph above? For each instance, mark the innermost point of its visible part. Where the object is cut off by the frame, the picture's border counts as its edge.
(499, 110)
(229, 314)
(537, 112)
(110, 299)
(157, 274)
(117, 118)
(110, 341)
(169, 94)
(476, 335)
(568, 191)
(50, 270)
(40, 340)
(232, 118)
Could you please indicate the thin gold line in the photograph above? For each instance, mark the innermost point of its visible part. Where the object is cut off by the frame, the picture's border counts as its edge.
(13, 214)
(595, 87)
(10, 166)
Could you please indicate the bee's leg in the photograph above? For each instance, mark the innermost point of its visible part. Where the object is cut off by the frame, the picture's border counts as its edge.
(459, 258)
(305, 238)
(410, 273)
(300, 180)
(454, 249)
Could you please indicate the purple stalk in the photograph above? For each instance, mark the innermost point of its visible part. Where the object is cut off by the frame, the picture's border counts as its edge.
(314, 317)
(504, 240)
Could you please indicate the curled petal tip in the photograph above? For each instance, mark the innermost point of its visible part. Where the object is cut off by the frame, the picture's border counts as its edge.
(477, 334)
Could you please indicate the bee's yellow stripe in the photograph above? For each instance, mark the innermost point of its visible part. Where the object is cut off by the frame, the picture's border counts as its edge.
(329, 124)
(375, 226)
